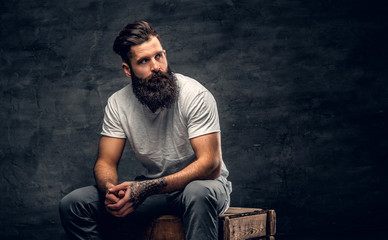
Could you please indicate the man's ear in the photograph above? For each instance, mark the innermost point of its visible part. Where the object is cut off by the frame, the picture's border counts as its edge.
(126, 69)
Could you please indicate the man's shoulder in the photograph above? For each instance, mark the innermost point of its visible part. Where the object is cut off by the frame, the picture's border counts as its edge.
(121, 94)
(189, 85)
(191, 92)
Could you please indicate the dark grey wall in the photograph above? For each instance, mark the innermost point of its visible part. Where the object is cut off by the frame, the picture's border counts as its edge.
(301, 87)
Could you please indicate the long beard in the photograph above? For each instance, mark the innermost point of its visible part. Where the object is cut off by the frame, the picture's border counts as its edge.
(158, 91)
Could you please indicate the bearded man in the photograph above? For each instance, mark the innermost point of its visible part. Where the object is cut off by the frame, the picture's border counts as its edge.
(171, 122)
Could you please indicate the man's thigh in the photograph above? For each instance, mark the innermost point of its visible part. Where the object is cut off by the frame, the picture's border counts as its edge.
(211, 189)
(84, 202)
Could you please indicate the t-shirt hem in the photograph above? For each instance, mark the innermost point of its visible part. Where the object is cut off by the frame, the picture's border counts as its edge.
(204, 133)
(111, 135)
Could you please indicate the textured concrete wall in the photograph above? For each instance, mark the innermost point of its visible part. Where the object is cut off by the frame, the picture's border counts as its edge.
(301, 87)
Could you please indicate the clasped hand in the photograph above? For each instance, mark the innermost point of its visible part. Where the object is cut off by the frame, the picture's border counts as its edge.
(124, 198)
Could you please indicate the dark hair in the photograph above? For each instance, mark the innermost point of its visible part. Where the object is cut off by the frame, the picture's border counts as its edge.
(132, 34)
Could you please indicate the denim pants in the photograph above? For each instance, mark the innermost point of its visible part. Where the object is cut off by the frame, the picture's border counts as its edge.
(83, 213)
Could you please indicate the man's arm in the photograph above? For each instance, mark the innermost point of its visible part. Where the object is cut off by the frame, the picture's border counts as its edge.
(105, 169)
(207, 148)
(207, 166)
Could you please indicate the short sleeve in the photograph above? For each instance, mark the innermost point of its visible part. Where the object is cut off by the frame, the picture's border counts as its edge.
(202, 115)
(111, 125)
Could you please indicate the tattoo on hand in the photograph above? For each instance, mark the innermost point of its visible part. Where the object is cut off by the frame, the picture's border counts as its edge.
(139, 191)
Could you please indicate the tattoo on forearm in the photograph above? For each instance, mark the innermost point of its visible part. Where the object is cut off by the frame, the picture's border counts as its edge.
(139, 191)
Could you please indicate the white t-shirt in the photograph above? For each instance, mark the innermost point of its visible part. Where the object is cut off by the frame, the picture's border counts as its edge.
(161, 140)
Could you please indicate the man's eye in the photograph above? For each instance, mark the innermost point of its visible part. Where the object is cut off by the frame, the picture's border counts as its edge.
(142, 61)
(158, 56)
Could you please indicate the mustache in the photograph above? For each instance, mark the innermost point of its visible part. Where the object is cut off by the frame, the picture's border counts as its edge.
(156, 80)
(157, 75)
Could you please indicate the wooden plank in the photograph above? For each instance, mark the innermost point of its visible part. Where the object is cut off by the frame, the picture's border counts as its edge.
(239, 212)
(226, 229)
(271, 222)
(245, 227)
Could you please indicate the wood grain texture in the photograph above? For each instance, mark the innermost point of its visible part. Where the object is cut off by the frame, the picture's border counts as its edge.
(271, 222)
(166, 227)
(247, 223)
(247, 227)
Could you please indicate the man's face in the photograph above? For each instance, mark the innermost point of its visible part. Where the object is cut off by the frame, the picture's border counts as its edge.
(152, 80)
(148, 57)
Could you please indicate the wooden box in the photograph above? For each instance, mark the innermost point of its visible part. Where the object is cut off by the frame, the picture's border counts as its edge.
(235, 224)
(247, 223)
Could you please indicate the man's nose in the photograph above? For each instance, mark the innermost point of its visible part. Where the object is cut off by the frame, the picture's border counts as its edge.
(155, 66)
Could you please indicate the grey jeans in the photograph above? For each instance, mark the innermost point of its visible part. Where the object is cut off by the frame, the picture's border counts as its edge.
(83, 213)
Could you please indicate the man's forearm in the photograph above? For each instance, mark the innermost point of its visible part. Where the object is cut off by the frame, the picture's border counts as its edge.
(176, 181)
(105, 176)
(138, 191)
(198, 170)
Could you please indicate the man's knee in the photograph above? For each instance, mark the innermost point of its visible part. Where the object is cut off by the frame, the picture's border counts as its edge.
(77, 201)
(199, 192)
(67, 203)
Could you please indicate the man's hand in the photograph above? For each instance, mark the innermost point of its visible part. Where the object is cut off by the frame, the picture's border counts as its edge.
(112, 198)
(124, 198)
(117, 201)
